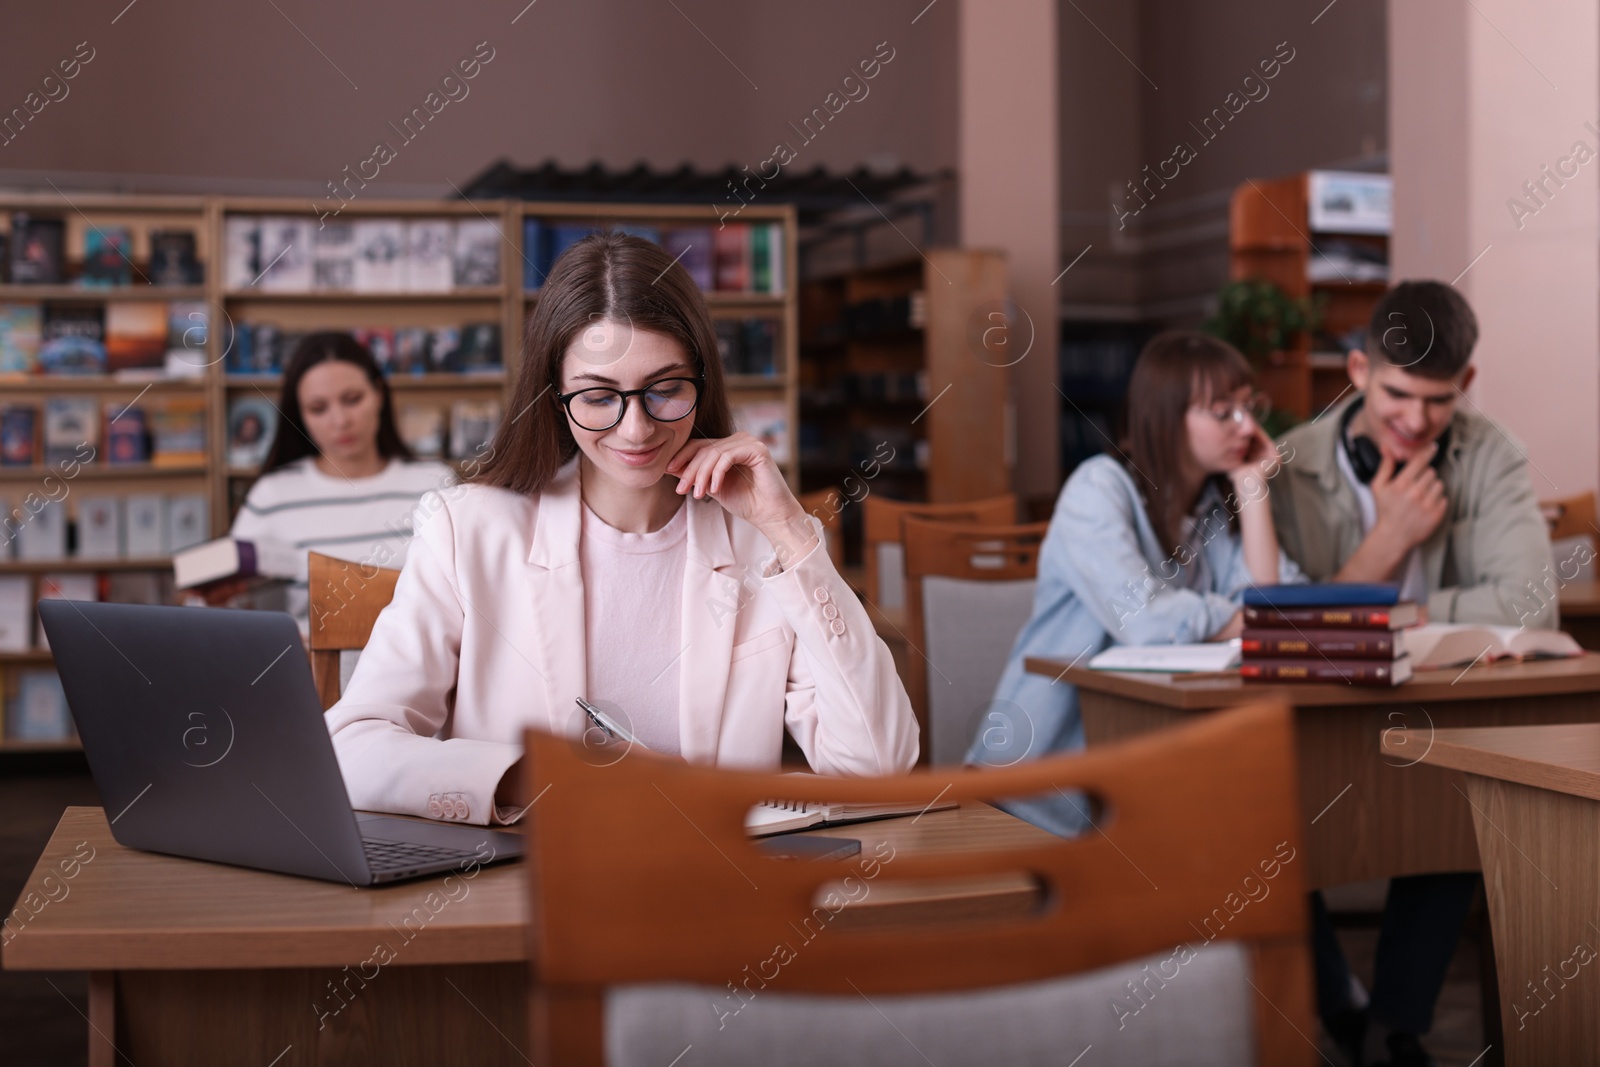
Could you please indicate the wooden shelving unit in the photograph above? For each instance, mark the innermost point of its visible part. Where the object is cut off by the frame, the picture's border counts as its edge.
(1270, 236)
(908, 357)
(506, 304)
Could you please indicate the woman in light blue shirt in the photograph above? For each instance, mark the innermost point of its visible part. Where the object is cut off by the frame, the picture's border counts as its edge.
(1151, 544)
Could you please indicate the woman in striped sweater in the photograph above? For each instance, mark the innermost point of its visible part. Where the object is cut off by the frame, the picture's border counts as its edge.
(339, 480)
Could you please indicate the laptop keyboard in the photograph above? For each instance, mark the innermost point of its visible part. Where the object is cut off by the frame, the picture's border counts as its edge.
(400, 855)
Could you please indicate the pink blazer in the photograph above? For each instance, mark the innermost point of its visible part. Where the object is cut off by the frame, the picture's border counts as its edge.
(485, 637)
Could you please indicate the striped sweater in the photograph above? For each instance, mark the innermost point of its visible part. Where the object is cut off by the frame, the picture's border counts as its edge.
(365, 520)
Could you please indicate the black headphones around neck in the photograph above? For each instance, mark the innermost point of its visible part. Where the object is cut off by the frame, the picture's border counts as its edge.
(1365, 456)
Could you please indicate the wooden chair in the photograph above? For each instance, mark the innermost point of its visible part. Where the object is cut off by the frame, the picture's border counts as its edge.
(1574, 536)
(969, 590)
(1570, 516)
(345, 601)
(881, 551)
(1174, 933)
(827, 505)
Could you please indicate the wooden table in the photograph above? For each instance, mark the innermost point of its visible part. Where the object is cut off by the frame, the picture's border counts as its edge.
(1535, 795)
(1580, 612)
(1368, 815)
(199, 963)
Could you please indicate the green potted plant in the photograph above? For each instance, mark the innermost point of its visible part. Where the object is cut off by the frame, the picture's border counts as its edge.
(1262, 321)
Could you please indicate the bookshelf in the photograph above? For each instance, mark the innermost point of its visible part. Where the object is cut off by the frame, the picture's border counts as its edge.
(1322, 235)
(234, 303)
(886, 348)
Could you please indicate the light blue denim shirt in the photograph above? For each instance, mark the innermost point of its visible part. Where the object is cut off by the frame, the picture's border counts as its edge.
(1104, 579)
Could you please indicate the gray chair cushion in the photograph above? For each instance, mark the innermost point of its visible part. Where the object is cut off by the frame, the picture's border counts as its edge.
(891, 592)
(969, 628)
(1572, 558)
(1196, 1010)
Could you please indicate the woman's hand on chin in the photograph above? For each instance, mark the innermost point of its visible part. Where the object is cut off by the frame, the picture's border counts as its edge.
(739, 473)
(1259, 466)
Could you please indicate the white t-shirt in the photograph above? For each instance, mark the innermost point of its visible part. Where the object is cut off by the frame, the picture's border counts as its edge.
(364, 520)
(1413, 580)
(633, 621)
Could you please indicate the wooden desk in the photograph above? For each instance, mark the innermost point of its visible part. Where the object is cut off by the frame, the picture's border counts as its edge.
(1535, 793)
(198, 963)
(1580, 612)
(1367, 816)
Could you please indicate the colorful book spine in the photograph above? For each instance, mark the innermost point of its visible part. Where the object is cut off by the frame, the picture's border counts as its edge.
(1351, 671)
(1334, 644)
(1319, 618)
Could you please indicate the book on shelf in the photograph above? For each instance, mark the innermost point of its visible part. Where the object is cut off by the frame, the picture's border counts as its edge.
(39, 712)
(188, 338)
(430, 256)
(768, 422)
(37, 245)
(478, 350)
(333, 256)
(173, 258)
(21, 333)
(127, 434)
(285, 254)
(71, 428)
(73, 339)
(543, 244)
(42, 535)
(136, 336)
(379, 340)
(472, 426)
(411, 350)
(145, 524)
(252, 422)
(188, 520)
(1398, 617)
(107, 257)
(68, 585)
(731, 258)
(19, 435)
(178, 431)
(1437, 645)
(1320, 595)
(16, 613)
(100, 527)
(1334, 644)
(1203, 657)
(760, 347)
(422, 428)
(380, 256)
(693, 248)
(1338, 671)
(241, 251)
(229, 557)
(477, 256)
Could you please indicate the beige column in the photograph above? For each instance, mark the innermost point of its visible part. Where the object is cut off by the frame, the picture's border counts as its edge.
(1008, 159)
(1494, 144)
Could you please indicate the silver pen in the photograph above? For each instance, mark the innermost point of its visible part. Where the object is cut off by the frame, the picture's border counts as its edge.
(612, 728)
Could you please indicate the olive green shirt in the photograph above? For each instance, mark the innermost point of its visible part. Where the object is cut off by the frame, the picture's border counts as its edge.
(1489, 560)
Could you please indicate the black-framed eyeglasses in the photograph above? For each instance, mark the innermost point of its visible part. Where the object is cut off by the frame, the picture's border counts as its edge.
(601, 408)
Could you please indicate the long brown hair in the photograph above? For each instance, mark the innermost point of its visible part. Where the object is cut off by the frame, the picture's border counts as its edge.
(1176, 369)
(292, 441)
(613, 276)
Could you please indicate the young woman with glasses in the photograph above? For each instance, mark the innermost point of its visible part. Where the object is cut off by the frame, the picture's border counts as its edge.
(621, 545)
(1151, 543)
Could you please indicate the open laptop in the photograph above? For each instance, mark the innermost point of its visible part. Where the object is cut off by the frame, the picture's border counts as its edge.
(206, 739)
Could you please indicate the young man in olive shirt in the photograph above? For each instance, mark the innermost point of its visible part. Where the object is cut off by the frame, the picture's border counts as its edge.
(1405, 482)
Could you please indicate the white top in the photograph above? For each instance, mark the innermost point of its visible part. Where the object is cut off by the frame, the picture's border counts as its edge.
(632, 612)
(364, 520)
(1414, 580)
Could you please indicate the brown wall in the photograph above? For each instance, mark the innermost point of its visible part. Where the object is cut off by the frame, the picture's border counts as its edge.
(211, 97)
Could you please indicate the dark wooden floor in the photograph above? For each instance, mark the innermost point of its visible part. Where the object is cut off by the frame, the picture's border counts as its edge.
(41, 1020)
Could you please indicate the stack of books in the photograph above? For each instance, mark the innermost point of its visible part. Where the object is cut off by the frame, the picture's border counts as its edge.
(1347, 633)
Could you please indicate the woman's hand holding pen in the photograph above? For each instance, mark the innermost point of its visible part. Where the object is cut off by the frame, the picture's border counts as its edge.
(739, 473)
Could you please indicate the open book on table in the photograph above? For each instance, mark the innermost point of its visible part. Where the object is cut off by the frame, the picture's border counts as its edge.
(786, 816)
(1453, 644)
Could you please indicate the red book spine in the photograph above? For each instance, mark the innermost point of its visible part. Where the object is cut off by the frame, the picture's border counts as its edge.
(1303, 644)
(1316, 618)
(1353, 671)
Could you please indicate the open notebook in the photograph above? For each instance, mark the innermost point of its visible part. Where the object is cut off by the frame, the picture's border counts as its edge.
(785, 816)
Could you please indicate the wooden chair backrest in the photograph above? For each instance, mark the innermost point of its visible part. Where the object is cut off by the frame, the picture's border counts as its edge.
(639, 870)
(1571, 516)
(345, 601)
(881, 518)
(971, 552)
(827, 505)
